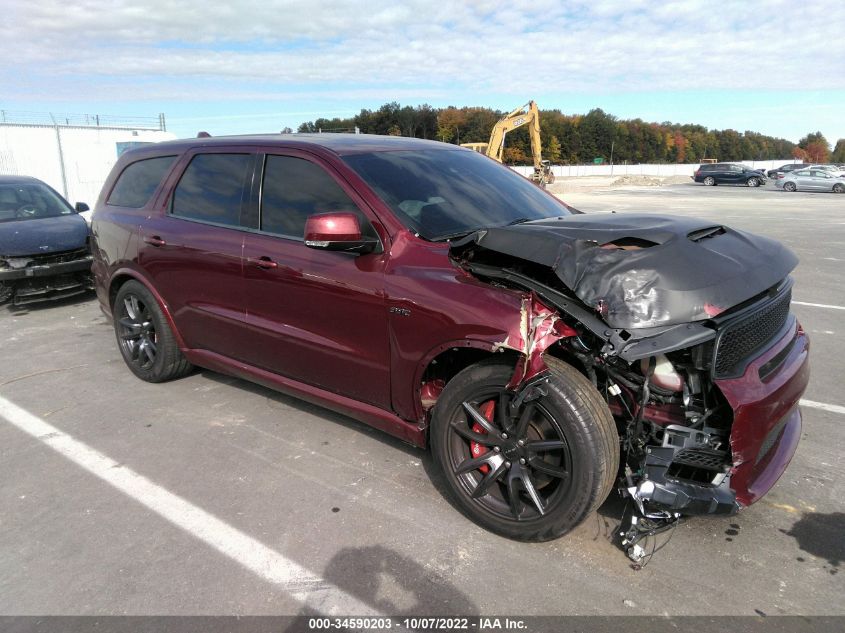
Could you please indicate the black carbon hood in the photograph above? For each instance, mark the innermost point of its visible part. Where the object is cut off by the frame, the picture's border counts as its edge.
(641, 270)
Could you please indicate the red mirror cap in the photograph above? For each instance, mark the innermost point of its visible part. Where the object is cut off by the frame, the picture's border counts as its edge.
(333, 227)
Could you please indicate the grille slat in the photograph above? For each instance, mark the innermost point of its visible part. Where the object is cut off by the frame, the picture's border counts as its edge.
(739, 340)
(58, 258)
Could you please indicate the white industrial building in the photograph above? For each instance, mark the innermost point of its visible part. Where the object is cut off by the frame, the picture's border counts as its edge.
(72, 153)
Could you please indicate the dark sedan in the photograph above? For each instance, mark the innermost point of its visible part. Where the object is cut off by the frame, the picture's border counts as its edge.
(729, 174)
(44, 250)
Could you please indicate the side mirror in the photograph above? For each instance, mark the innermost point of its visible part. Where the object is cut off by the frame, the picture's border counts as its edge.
(337, 232)
(81, 206)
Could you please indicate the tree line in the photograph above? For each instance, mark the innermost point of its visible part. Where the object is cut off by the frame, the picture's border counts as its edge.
(579, 139)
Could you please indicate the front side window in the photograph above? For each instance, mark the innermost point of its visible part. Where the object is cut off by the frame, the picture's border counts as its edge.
(212, 188)
(138, 182)
(30, 201)
(293, 189)
(442, 194)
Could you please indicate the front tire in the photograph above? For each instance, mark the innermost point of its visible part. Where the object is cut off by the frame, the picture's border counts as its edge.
(144, 336)
(709, 181)
(838, 188)
(753, 182)
(532, 474)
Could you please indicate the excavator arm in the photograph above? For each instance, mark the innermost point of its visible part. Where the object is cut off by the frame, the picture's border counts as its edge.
(528, 114)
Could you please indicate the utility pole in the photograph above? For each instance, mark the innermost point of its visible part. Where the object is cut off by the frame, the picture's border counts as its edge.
(61, 156)
(612, 143)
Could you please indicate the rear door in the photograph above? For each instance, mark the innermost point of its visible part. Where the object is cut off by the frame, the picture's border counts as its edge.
(193, 248)
(316, 316)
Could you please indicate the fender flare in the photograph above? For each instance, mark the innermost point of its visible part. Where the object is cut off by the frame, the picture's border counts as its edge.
(162, 304)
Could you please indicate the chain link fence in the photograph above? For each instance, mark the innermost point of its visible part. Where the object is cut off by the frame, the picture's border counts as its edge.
(21, 117)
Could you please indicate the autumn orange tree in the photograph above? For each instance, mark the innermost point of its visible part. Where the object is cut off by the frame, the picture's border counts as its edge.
(816, 148)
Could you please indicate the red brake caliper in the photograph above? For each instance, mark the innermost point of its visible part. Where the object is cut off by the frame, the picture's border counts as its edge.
(477, 449)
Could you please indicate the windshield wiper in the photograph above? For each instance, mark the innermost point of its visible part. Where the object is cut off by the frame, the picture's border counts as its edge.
(452, 236)
(519, 221)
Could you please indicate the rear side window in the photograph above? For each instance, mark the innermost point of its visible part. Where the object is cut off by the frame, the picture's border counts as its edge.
(136, 184)
(293, 189)
(212, 188)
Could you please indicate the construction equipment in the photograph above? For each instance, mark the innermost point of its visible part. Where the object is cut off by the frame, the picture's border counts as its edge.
(495, 148)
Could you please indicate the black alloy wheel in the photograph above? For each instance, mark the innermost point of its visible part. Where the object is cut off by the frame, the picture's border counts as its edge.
(136, 331)
(144, 336)
(513, 464)
(529, 465)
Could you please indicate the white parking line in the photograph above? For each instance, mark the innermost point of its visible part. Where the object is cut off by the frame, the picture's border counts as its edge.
(818, 305)
(298, 582)
(833, 408)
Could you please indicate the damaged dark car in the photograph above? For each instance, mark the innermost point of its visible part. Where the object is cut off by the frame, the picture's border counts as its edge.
(44, 251)
(546, 357)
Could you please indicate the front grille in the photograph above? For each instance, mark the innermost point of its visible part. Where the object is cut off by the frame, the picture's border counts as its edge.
(700, 465)
(738, 341)
(700, 458)
(58, 258)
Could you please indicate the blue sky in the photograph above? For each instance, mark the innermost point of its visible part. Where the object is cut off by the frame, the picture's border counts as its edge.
(261, 65)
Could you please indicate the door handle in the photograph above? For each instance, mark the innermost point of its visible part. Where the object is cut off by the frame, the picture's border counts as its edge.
(262, 262)
(154, 240)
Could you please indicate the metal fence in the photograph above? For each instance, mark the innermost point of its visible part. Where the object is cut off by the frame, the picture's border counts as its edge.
(18, 117)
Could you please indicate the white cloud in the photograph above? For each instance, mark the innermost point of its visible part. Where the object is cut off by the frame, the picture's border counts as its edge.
(419, 45)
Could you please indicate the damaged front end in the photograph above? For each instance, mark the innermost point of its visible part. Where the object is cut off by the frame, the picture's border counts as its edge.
(685, 330)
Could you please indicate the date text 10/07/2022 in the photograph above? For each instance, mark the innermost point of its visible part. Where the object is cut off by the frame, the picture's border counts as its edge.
(417, 624)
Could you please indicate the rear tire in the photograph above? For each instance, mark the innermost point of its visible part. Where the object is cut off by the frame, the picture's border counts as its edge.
(144, 337)
(838, 188)
(537, 475)
(789, 186)
(709, 181)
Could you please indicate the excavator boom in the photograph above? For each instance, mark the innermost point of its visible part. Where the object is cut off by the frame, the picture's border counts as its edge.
(528, 114)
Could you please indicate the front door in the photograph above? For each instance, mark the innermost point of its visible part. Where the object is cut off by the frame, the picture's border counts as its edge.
(317, 316)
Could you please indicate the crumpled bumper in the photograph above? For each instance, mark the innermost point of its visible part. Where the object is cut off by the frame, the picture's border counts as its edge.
(767, 420)
(47, 270)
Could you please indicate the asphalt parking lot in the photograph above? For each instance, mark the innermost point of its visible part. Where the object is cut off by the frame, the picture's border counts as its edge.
(210, 495)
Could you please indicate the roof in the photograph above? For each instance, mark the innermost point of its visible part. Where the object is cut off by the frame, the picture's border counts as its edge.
(18, 180)
(339, 144)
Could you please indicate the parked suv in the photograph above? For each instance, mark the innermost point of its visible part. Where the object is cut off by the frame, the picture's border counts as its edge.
(429, 291)
(729, 174)
(785, 169)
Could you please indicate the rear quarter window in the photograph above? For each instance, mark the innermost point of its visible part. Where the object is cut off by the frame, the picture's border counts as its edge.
(137, 183)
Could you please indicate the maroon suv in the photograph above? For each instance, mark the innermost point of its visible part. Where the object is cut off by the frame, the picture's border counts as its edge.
(545, 355)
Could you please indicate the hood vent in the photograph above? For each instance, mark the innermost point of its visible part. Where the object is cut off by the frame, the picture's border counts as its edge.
(629, 244)
(702, 234)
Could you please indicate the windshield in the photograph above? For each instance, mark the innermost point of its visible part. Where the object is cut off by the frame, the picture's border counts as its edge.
(29, 201)
(443, 194)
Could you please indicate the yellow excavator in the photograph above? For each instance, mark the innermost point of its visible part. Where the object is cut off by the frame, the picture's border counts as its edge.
(495, 147)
